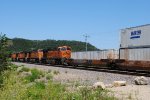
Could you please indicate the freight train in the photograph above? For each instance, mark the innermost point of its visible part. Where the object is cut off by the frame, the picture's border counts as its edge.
(58, 56)
(62, 56)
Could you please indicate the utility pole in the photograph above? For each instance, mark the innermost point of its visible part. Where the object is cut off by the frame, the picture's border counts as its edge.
(86, 36)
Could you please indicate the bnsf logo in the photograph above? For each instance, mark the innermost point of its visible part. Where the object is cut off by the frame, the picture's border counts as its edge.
(135, 34)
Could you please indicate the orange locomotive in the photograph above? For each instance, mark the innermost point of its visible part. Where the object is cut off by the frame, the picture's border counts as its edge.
(58, 56)
(35, 56)
(14, 56)
(21, 56)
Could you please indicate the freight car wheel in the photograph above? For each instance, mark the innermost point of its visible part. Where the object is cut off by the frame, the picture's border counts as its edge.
(75, 65)
(52, 61)
(28, 60)
(112, 65)
(36, 60)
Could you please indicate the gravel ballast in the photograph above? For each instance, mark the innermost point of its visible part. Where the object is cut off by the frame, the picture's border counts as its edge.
(83, 76)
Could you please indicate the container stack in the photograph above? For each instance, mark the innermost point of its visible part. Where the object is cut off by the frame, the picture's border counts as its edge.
(135, 43)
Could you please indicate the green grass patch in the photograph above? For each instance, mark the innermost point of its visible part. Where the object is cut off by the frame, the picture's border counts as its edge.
(25, 69)
(36, 91)
(36, 74)
(14, 88)
(13, 67)
(49, 76)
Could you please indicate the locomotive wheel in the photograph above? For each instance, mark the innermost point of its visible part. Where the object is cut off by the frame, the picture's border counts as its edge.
(28, 60)
(37, 60)
(63, 61)
(51, 62)
(24, 60)
(75, 65)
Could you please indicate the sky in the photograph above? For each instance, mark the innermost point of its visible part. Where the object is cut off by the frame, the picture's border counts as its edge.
(102, 20)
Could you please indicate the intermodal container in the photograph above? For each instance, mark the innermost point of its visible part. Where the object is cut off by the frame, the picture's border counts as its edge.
(96, 55)
(135, 37)
(136, 54)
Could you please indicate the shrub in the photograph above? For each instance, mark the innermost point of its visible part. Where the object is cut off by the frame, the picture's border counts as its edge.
(36, 74)
(1, 80)
(36, 91)
(4, 54)
(25, 69)
(49, 76)
(13, 67)
(88, 94)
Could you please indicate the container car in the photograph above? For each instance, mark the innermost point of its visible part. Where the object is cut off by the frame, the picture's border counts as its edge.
(96, 55)
(135, 54)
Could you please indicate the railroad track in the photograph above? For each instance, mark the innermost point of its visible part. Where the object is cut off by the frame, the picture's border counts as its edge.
(117, 71)
(103, 69)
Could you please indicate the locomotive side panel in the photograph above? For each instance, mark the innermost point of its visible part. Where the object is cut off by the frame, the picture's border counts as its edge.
(21, 56)
(36, 56)
(14, 57)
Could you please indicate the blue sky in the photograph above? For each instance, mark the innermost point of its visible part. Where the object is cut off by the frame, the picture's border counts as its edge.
(70, 19)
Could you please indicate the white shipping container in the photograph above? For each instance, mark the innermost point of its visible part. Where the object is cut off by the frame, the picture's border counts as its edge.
(139, 54)
(96, 55)
(135, 37)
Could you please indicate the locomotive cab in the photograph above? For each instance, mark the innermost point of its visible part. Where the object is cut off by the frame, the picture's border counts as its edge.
(64, 52)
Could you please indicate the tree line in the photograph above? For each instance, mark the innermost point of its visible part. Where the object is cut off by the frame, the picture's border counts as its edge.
(20, 44)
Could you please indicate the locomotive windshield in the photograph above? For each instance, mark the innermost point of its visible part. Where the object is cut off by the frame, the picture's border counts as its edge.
(64, 48)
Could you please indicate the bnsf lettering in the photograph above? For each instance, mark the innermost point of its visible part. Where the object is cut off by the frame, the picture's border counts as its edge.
(136, 33)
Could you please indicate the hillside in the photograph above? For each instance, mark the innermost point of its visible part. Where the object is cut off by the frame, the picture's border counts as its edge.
(19, 44)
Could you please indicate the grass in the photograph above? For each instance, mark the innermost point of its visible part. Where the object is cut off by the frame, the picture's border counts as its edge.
(25, 69)
(55, 72)
(14, 88)
(36, 74)
(130, 97)
(49, 76)
(49, 71)
(22, 69)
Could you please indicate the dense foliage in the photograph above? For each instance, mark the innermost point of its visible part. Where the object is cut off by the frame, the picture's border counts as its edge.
(3, 53)
(21, 83)
(19, 44)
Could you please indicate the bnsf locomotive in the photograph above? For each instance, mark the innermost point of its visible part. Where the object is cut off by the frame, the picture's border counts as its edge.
(58, 56)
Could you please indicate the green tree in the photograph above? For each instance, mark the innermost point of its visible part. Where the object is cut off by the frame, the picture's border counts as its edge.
(3, 53)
